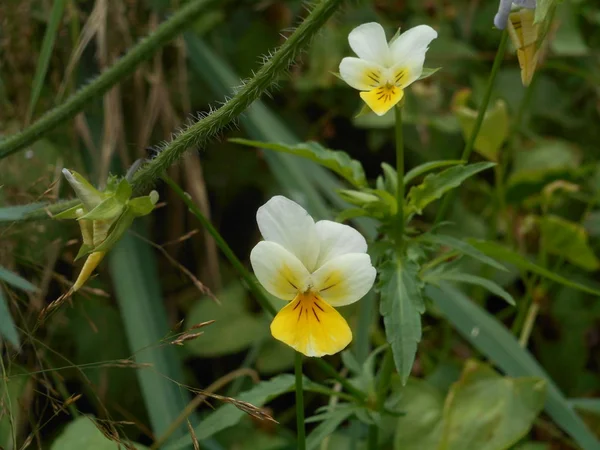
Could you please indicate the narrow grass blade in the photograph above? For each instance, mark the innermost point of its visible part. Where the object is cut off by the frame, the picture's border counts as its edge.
(58, 7)
(135, 277)
(16, 281)
(8, 330)
(13, 213)
(491, 338)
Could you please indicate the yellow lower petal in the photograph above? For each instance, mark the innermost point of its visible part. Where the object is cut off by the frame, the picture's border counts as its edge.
(311, 326)
(382, 99)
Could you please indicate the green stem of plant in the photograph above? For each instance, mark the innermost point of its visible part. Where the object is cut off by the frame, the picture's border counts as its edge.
(400, 176)
(466, 154)
(253, 284)
(178, 22)
(200, 132)
(300, 403)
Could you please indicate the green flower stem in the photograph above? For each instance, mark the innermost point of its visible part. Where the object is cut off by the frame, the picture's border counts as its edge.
(400, 176)
(466, 154)
(299, 403)
(253, 285)
(179, 21)
(200, 132)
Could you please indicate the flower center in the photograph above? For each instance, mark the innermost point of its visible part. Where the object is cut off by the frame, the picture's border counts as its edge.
(309, 306)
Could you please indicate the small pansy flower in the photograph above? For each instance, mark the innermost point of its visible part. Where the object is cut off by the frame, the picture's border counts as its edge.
(383, 71)
(315, 267)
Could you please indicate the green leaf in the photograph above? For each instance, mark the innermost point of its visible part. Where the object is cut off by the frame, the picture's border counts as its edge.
(493, 132)
(123, 192)
(422, 169)
(586, 404)
(107, 209)
(401, 307)
(12, 213)
(84, 433)
(391, 178)
(463, 247)
(58, 7)
(436, 185)
(331, 423)
(142, 206)
(568, 239)
(491, 337)
(86, 193)
(117, 231)
(498, 251)
(427, 72)
(71, 213)
(8, 330)
(543, 8)
(228, 415)
(13, 392)
(337, 161)
(460, 277)
(274, 357)
(16, 281)
(235, 328)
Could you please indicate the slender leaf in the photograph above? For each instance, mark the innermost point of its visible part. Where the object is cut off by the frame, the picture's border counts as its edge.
(8, 330)
(337, 161)
(436, 185)
(499, 251)
(422, 169)
(16, 281)
(461, 277)
(586, 404)
(12, 213)
(463, 247)
(58, 7)
(401, 307)
(83, 433)
(332, 422)
(491, 338)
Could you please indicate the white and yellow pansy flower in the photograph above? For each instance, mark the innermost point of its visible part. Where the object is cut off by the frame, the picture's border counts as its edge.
(383, 71)
(315, 267)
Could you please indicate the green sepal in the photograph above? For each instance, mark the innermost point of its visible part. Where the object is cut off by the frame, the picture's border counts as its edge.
(142, 206)
(84, 250)
(70, 213)
(88, 194)
(116, 232)
(357, 198)
(123, 191)
(108, 209)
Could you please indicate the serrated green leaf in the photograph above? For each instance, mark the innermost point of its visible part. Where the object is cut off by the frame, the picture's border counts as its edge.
(491, 337)
(463, 247)
(401, 307)
(436, 185)
(461, 277)
(8, 330)
(16, 281)
(422, 169)
(568, 239)
(83, 433)
(502, 253)
(337, 161)
(107, 209)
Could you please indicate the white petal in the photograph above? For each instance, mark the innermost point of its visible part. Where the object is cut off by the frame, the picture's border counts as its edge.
(408, 51)
(345, 279)
(369, 43)
(361, 74)
(280, 272)
(338, 239)
(286, 222)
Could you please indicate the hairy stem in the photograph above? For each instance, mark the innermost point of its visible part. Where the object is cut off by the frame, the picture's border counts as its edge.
(466, 154)
(200, 132)
(121, 69)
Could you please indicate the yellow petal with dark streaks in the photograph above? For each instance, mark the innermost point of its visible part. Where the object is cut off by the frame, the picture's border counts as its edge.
(382, 99)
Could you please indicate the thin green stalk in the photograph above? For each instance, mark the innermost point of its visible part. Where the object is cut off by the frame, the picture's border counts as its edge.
(178, 22)
(299, 403)
(400, 176)
(252, 284)
(199, 133)
(466, 154)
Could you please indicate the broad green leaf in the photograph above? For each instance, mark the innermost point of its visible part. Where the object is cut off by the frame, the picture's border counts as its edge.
(235, 328)
(8, 330)
(401, 307)
(83, 433)
(491, 337)
(493, 132)
(436, 185)
(228, 415)
(568, 239)
(337, 161)
(500, 252)
(460, 277)
(107, 209)
(16, 281)
(331, 423)
(13, 213)
(486, 411)
(422, 169)
(463, 247)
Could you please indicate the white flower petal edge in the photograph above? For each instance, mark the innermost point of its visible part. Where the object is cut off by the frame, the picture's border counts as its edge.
(285, 222)
(361, 74)
(278, 270)
(344, 279)
(408, 51)
(368, 41)
(338, 239)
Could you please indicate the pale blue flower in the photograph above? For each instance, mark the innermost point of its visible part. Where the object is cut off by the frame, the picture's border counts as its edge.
(504, 10)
